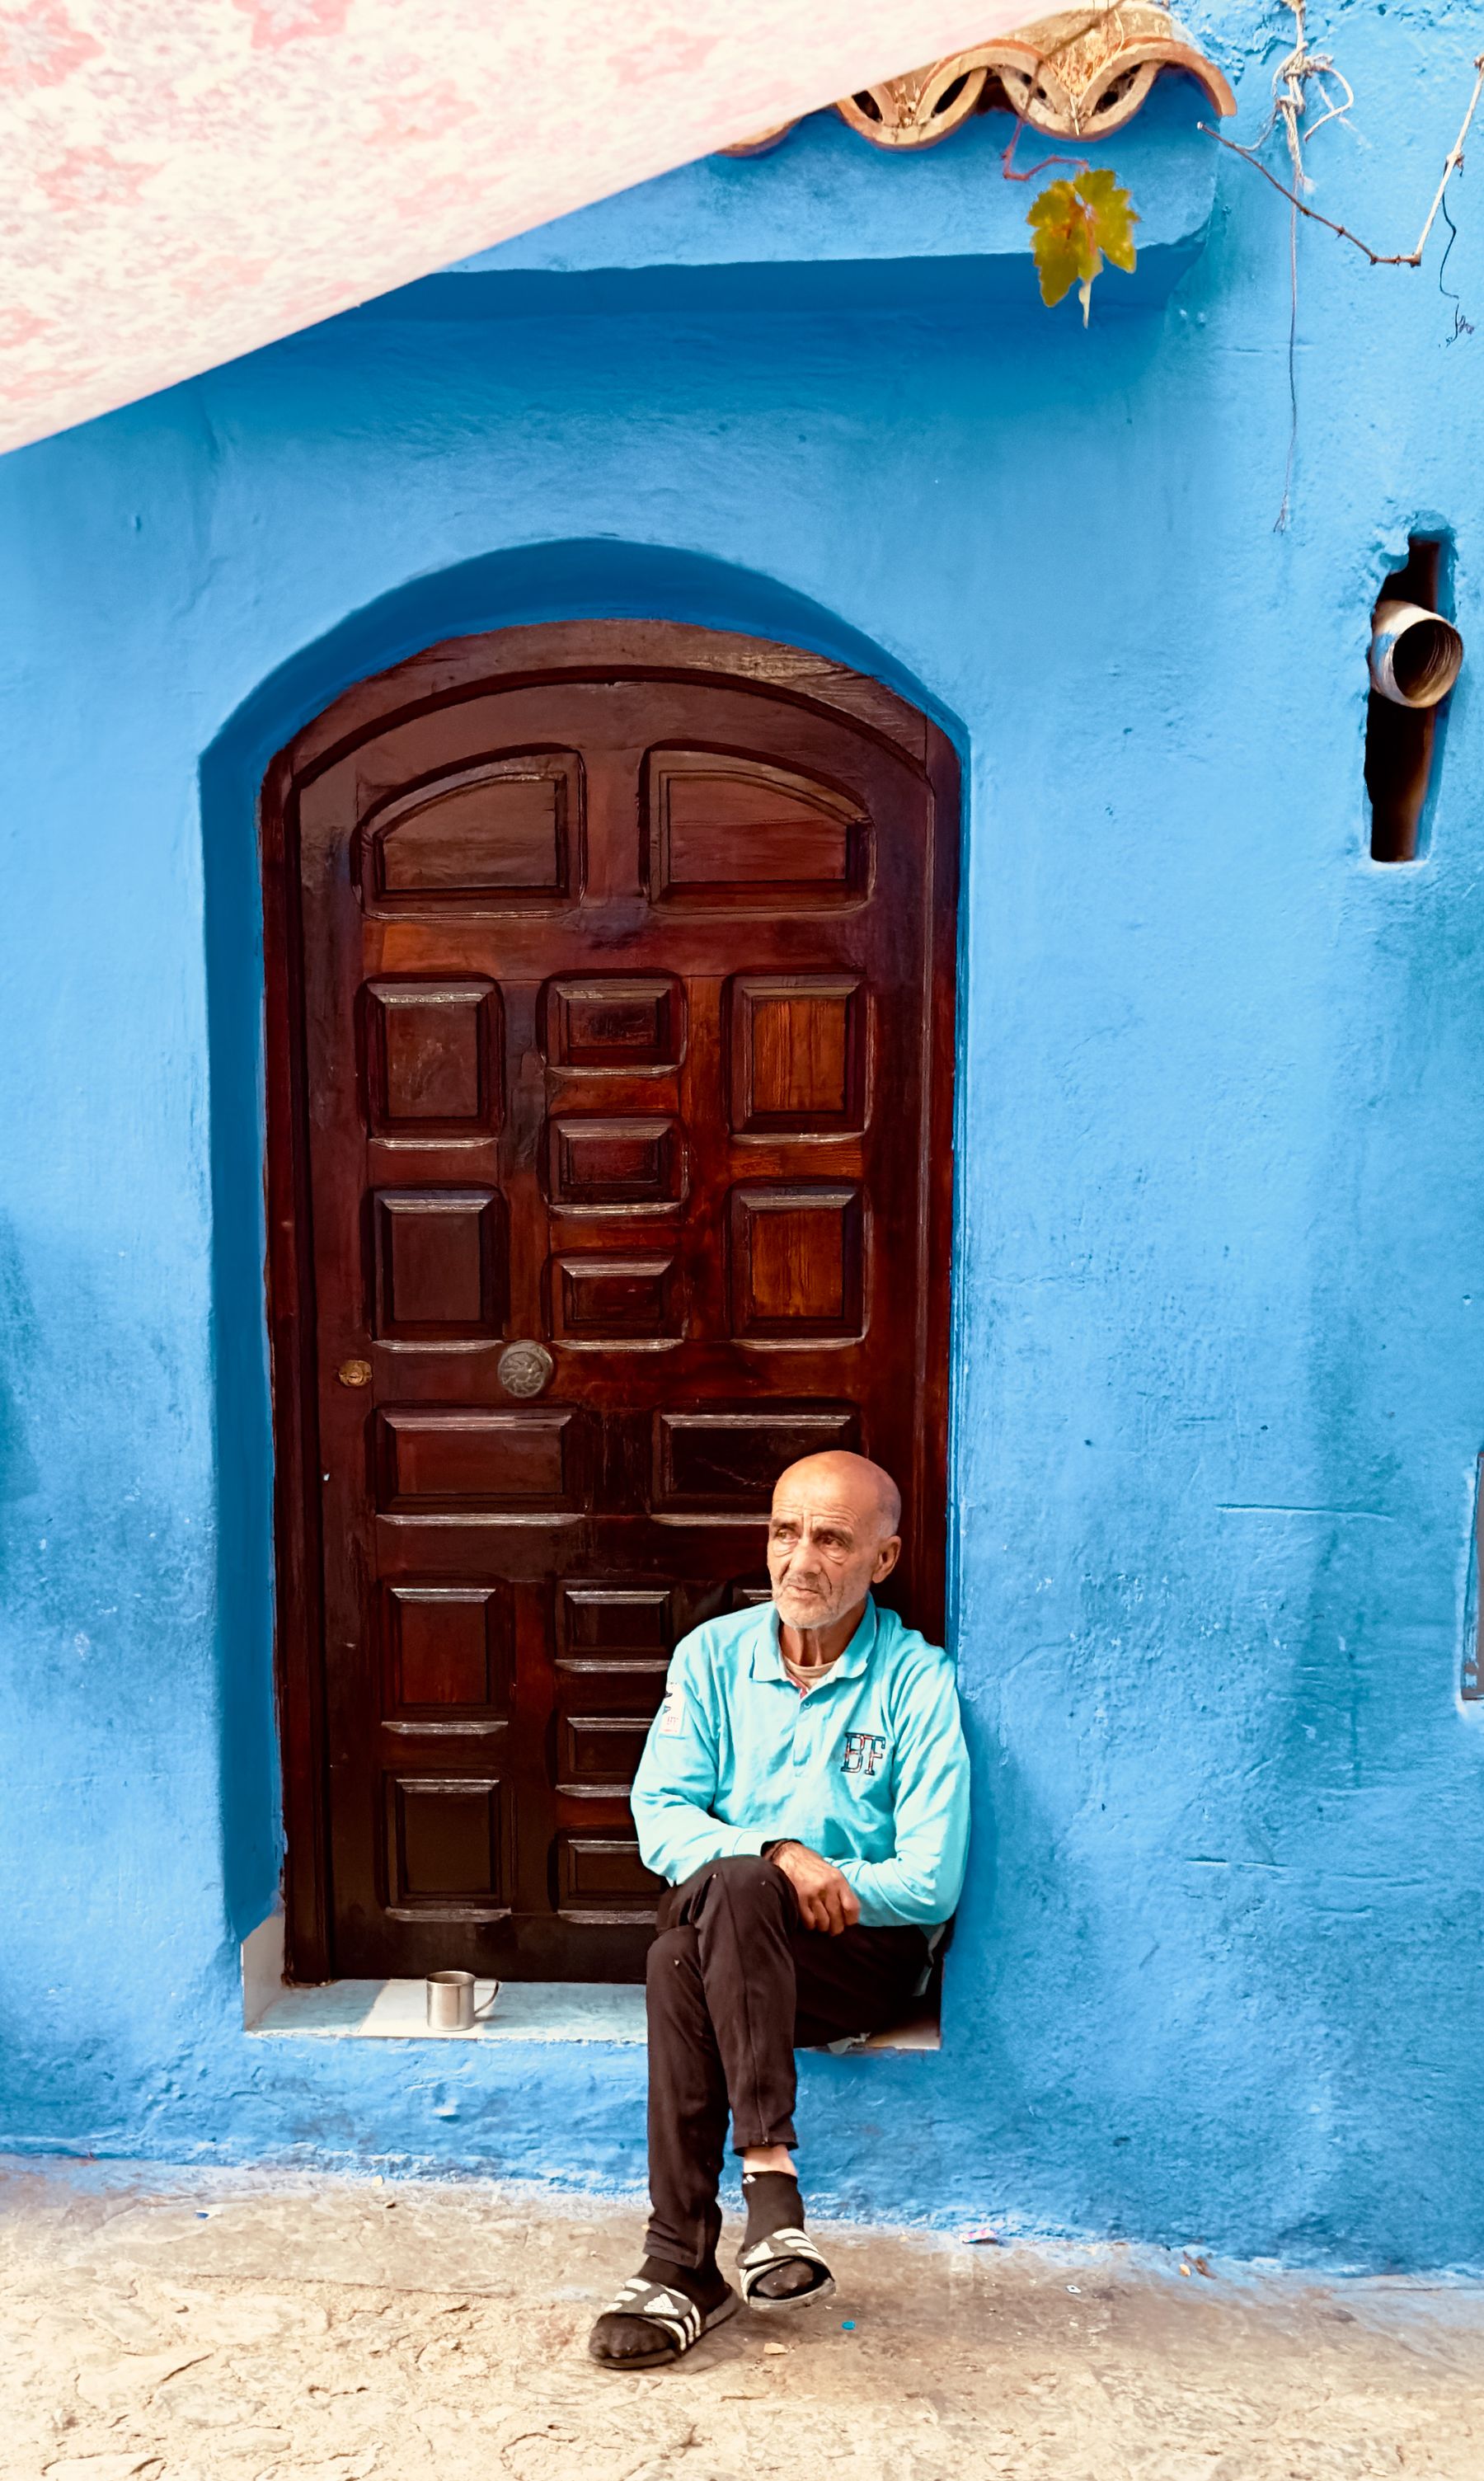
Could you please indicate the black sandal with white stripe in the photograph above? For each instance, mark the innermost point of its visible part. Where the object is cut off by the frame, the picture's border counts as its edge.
(790, 2246)
(675, 2325)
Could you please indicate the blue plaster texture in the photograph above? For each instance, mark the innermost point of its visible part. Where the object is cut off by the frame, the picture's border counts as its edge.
(827, 217)
(1218, 1389)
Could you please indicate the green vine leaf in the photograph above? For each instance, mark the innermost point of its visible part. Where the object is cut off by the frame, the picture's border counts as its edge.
(1075, 225)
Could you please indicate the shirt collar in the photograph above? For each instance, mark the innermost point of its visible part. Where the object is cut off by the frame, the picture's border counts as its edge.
(766, 1661)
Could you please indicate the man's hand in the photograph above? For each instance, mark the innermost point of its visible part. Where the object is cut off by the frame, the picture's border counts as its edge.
(826, 1899)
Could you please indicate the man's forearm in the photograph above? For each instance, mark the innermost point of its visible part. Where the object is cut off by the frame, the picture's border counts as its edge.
(895, 1892)
(677, 1836)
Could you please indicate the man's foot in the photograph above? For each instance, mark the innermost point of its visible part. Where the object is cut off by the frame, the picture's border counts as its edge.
(660, 2314)
(780, 2264)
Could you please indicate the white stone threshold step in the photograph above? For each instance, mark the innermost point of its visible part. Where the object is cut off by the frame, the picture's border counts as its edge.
(524, 2011)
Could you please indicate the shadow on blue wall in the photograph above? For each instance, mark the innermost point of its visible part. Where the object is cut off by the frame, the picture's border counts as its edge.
(557, 581)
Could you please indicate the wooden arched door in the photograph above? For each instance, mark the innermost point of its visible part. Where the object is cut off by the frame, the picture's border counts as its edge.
(610, 1018)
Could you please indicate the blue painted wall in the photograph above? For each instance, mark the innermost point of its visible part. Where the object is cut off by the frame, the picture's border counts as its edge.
(1218, 1385)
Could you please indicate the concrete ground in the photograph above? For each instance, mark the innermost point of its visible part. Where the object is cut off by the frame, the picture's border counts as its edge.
(178, 2326)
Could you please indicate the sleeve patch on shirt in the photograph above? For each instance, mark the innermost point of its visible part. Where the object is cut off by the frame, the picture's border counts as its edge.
(672, 1715)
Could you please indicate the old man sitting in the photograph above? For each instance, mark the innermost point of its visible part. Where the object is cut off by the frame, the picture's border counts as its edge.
(804, 1790)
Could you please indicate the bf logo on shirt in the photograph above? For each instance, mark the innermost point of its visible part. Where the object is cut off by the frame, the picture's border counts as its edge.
(864, 1752)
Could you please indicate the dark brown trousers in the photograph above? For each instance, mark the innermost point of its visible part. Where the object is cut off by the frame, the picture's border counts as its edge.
(735, 1984)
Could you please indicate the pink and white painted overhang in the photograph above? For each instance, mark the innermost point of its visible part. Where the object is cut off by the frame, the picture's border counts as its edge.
(184, 180)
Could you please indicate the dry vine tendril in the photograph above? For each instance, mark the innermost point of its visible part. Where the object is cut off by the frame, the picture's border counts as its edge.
(1301, 69)
(1080, 222)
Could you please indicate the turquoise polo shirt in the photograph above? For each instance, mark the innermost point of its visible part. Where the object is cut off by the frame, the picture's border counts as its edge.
(869, 1768)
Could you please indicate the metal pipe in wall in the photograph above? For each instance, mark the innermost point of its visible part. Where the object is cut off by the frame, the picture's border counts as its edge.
(1415, 656)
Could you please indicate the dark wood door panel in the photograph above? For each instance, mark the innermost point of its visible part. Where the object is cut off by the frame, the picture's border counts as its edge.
(610, 1133)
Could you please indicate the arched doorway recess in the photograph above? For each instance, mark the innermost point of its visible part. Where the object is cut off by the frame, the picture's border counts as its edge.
(611, 1026)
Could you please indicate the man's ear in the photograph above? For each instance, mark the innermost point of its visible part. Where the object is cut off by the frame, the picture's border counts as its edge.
(887, 1558)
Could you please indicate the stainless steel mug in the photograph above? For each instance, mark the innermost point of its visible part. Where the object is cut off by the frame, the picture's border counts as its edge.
(451, 2007)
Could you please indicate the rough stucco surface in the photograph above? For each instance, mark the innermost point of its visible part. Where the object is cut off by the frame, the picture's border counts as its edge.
(160, 2327)
(1218, 1392)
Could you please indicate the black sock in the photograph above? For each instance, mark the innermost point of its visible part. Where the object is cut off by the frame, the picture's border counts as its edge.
(773, 2204)
(705, 2285)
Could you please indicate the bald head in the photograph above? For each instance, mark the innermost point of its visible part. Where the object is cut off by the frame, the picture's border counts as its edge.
(831, 1536)
(867, 1489)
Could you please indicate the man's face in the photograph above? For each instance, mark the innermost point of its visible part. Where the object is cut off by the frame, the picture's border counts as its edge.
(828, 1540)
